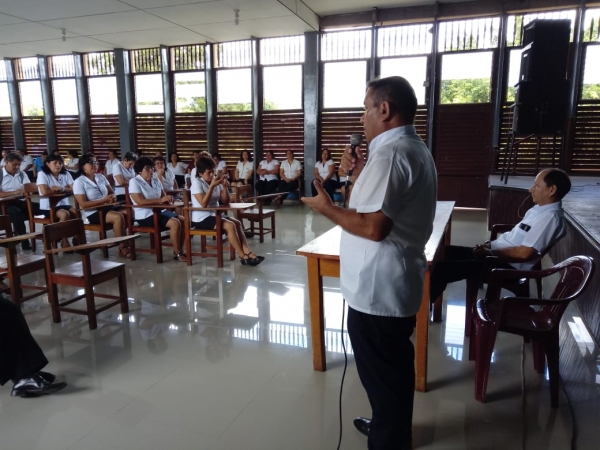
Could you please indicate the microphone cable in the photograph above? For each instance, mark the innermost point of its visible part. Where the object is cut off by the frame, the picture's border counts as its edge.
(344, 372)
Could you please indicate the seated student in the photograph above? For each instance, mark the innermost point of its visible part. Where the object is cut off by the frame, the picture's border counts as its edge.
(342, 177)
(93, 189)
(164, 174)
(244, 170)
(221, 165)
(27, 165)
(12, 183)
(3, 160)
(145, 189)
(268, 170)
(123, 173)
(324, 172)
(111, 162)
(209, 191)
(38, 164)
(21, 358)
(55, 179)
(73, 166)
(178, 167)
(290, 172)
(521, 248)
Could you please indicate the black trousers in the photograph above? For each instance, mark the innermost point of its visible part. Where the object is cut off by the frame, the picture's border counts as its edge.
(330, 186)
(264, 187)
(385, 360)
(17, 211)
(458, 264)
(20, 355)
(284, 186)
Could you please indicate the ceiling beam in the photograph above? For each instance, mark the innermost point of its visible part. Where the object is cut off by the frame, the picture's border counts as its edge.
(443, 10)
(303, 12)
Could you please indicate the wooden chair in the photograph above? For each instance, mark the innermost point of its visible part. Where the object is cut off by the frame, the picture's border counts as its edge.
(102, 227)
(84, 274)
(31, 191)
(16, 266)
(536, 319)
(155, 232)
(111, 180)
(238, 192)
(217, 234)
(258, 215)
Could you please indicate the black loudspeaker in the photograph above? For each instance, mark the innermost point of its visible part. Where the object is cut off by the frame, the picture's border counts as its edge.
(542, 91)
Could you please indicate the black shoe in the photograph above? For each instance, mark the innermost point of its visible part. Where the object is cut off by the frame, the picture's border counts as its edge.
(363, 425)
(47, 376)
(35, 386)
(26, 245)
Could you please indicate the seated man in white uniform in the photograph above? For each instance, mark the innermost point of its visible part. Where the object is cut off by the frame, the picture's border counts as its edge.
(522, 247)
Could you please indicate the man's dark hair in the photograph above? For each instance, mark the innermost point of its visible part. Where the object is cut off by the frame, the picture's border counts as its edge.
(398, 93)
(204, 163)
(139, 165)
(49, 159)
(560, 179)
(12, 157)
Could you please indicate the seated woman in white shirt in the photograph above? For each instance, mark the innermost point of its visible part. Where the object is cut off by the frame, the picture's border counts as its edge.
(244, 170)
(3, 160)
(164, 174)
(178, 167)
(209, 191)
(268, 169)
(324, 172)
(73, 166)
(221, 168)
(122, 173)
(145, 189)
(111, 162)
(92, 189)
(55, 179)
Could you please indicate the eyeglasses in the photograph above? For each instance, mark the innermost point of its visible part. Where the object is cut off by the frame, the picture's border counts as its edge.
(149, 168)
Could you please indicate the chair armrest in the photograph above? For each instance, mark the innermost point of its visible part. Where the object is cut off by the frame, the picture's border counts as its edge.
(528, 301)
(88, 248)
(4, 242)
(499, 228)
(106, 205)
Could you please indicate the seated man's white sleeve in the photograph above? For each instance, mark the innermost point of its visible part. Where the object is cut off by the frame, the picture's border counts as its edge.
(543, 234)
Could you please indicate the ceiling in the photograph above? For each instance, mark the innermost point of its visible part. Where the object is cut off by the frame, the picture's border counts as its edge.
(31, 27)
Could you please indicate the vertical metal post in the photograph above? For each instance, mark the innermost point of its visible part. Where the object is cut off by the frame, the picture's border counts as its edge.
(374, 69)
(257, 101)
(126, 100)
(501, 81)
(168, 99)
(312, 102)
(83, 103)
(47, 102)
(211, 99)
(432, 83)
(15, 104)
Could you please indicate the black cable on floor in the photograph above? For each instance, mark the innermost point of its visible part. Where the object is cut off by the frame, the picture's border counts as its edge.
(344, 373)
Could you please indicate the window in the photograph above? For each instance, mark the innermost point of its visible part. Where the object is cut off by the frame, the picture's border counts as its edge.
(282, 87)
(413, 69)
(466, 77)
(590, 89)
(234, 90)
(190, 92)
(344, 84)
(514, 72)
(149, 94)
(65, 97)
(31, 98)
(103, 95)
(4, 101)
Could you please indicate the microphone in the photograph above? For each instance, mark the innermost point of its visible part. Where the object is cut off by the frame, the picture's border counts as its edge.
(355, 141)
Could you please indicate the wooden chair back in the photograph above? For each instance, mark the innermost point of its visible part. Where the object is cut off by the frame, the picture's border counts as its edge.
(5, 226)
(67, 229)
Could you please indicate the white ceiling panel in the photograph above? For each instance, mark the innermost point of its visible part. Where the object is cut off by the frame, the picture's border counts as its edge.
(12, 51)
(153, 38)
(281, 26)
(29, 31)
(58, 47)
(8, 20)
(110, 23)
(57, 9)
(145, 4)
(222, 11)
(326, 7)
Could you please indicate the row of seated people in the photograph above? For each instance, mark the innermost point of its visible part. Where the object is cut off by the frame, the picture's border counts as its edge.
(139, 177)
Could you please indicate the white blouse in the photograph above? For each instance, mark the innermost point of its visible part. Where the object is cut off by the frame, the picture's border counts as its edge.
(64, 180)
(178, 169)
(244, 169)
(168, 181)
(72, 163)
(323, 169)
(127, 174)
(148, 190)
(199, 186)
(93, 190)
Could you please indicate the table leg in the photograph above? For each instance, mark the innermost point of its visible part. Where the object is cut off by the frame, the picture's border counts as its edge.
(317, 321)
(421, 338)
(437, 305)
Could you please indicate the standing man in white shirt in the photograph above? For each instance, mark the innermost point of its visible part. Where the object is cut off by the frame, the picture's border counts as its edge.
(27, 164)
(382, 255)
(290, 172)
(268, 171)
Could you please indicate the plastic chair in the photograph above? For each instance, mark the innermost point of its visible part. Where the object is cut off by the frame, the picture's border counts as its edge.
(516, 315)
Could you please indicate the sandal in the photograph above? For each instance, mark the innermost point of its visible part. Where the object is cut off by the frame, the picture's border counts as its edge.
(181, 256)
(256, 257)
(250, 261)
(125, 251)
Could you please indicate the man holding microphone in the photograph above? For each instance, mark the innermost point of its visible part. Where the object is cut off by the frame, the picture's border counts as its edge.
(382, 259)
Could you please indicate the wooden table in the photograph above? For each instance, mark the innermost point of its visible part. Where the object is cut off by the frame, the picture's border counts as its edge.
(323, 260)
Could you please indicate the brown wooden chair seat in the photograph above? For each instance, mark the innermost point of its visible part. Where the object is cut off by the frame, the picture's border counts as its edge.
(256, 217)
(156, 237)
(217, 234)
(85, 274)
(16, 266)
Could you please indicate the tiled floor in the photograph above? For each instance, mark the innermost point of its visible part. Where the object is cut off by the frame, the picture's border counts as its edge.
(220, 359)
